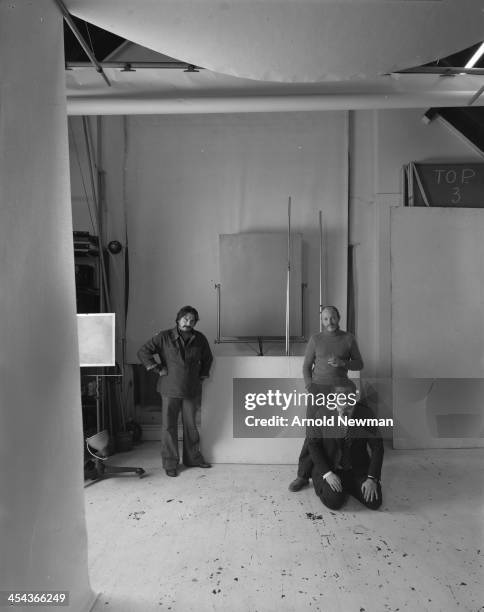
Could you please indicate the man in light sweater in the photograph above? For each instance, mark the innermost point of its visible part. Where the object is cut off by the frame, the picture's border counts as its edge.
(329, 355)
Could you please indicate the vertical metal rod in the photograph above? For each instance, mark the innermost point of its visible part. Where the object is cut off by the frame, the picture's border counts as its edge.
(98, 405)
(476, 96)
(82, 42)
(288, 281)
(217, 287)
(349, 196)
(303, 308)
(125, 275)
(420, 185)
(320, 270)
(97, 199)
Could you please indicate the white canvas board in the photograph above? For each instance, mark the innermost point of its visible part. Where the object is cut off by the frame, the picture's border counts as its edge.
(96, 339)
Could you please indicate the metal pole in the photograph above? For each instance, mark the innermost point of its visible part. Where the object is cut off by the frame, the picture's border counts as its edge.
(82, 42)
(97, 199)
(288, 294)
(98, 405)
(133, 66)
(217, 288)
(476, 96)
(320, 270)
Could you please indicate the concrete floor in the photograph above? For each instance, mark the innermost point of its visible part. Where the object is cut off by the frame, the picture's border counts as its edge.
(233, 538)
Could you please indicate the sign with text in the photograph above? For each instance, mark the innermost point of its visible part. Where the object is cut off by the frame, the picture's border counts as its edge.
(449, 185)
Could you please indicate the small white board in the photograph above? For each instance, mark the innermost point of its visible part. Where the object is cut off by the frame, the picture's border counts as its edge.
(96, 339)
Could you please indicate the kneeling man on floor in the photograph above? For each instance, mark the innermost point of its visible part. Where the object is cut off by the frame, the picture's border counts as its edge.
(345, 459)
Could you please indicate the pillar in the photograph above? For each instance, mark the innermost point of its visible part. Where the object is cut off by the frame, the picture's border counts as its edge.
(42, 521)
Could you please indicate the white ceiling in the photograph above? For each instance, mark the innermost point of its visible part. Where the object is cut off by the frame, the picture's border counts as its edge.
(278, 54)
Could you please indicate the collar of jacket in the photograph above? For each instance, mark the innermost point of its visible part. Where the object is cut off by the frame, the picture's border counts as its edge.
(175, 333)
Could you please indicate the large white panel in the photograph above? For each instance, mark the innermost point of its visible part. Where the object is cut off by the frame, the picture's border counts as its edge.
(253, 271)
(438, 413)
(437, 327)
(437, 293)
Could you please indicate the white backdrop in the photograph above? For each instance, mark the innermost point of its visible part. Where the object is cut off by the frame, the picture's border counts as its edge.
(438, 327)
(43, 540)
(437, 292)
(293, 40)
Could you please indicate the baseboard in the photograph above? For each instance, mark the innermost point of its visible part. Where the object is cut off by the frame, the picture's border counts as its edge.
(150, 431)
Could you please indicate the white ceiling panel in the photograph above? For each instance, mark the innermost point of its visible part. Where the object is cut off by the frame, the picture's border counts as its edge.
(293, 40)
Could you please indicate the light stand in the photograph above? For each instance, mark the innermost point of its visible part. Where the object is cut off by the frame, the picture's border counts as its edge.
(100, 441)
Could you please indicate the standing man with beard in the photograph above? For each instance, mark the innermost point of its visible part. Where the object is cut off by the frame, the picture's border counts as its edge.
(184, 362)
(329, 355)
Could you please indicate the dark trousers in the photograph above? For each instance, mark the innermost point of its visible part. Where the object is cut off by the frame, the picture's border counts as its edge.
(171, 408)
(305, 463)
(351, 485)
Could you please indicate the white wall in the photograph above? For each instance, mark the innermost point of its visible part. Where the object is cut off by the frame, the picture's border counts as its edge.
(381, 143)
(189, 179)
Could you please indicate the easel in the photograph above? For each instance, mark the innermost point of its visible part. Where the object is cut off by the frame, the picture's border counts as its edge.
(100, 441)
(96, 349)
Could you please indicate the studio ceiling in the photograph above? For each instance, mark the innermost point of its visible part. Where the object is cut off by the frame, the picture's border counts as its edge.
(304, 53)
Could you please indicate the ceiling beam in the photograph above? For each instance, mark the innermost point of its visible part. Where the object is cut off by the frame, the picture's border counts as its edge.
(129, 66)
(130, 105)
(87, 50)
(442, 70)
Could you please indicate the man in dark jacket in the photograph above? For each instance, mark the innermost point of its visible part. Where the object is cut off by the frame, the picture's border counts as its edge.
(184, 360)
(341, 461)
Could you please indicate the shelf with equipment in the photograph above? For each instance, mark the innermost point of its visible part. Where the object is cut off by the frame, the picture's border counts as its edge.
(87, 267)
(87, 272)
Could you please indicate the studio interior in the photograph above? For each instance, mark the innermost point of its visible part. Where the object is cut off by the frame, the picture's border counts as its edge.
(256, 160)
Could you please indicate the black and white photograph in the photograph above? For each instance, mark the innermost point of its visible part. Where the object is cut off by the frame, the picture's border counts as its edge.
(242, 305)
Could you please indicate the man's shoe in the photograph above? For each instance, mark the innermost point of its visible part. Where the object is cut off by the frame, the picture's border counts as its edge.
(171, 473)
(203, 464)
(298, 484)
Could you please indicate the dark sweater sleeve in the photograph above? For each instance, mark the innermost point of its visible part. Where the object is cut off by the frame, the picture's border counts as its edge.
(318, 455)
(152, 347)
(376, 461)
(374, 441)
(355, 361)
(308, 363)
